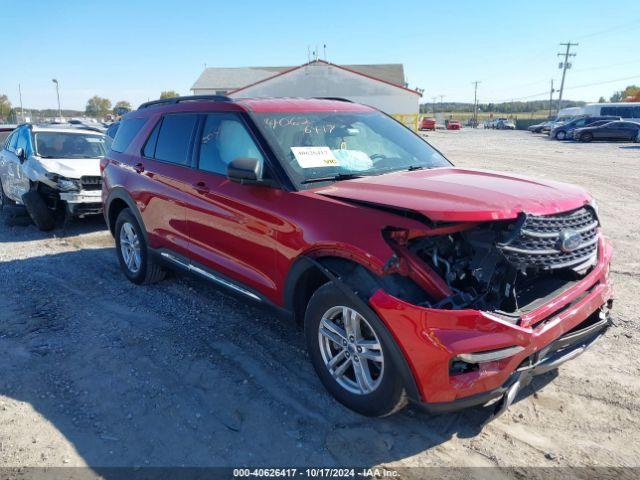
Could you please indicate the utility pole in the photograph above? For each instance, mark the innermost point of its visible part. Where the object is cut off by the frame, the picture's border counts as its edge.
(551, 98)
(564, 66)
(434, 105)
(58, 94)
(475, 103)
(21, 110)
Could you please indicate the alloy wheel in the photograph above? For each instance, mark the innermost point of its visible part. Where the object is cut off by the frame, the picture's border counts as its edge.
(351, 350)
(130, 247)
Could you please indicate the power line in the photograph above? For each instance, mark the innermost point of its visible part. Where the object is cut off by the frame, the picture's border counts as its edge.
(603, 67)
(565, 65)
(603, 83)
(611, 29)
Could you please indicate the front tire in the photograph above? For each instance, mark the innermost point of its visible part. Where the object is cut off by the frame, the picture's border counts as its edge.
(38, 210)
(586, 137)
(133, 252)
(351, 351)
(561, 135)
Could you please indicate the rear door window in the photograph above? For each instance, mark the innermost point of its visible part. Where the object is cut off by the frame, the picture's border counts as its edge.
(174, 138)
(150, 145)
(127, 131)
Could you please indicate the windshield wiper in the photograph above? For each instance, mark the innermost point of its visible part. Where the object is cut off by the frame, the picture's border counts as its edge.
(411, 168)
(334, 178)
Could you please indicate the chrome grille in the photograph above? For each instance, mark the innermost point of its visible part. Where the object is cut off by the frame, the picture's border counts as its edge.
(91, 183)
(537, 243)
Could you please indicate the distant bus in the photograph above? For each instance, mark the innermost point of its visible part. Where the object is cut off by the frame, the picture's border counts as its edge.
(626, 110)
(569, 112)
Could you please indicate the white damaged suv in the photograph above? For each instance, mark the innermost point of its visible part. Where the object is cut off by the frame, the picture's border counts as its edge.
(52, 170)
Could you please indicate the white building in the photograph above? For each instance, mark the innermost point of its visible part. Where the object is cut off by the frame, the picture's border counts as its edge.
(381, 86)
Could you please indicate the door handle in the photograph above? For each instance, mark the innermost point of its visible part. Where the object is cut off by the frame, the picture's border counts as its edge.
(200, 187)
(138, 167)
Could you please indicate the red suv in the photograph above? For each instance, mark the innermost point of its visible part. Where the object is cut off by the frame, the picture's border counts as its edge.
(414, 280)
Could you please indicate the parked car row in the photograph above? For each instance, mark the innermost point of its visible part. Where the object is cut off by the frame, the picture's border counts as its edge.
(427, 123)
(413, 280)
(500, 124)
(589, 128)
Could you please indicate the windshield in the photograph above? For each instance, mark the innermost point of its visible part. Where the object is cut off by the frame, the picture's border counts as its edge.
(335, 145)
(68, 145)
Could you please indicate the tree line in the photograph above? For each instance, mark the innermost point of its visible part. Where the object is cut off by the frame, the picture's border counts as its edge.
(100, 107)
(504, 107)
(97, 106)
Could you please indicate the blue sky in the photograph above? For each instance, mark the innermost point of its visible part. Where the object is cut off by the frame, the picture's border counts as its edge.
(131, 50)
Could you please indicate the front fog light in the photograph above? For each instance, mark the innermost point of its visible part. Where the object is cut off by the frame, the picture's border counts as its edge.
(490, 355)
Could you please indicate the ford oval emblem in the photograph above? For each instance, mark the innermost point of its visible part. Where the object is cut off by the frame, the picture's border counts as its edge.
(569, 240)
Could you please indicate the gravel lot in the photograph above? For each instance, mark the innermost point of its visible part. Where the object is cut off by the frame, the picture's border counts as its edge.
(97, 371)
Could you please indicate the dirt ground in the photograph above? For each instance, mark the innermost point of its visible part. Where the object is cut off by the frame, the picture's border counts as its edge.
(95, 371)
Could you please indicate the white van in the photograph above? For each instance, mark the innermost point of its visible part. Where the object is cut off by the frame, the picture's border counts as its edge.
(626, 110)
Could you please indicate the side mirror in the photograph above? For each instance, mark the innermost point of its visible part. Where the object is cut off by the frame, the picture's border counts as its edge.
(20, 154)
(245, 170)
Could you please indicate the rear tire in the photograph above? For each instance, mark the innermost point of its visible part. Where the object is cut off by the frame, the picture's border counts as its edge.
(384, 393)
(38, 210)
(586, 137)
(133, 252)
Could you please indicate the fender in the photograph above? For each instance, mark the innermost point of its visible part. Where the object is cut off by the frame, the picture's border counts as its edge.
(119, 193)
(348, 252)
(302, 264)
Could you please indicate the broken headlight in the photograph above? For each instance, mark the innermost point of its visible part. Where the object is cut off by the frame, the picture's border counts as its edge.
(64, 184)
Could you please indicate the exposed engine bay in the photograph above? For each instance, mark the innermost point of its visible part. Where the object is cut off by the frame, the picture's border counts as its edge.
(510, 266)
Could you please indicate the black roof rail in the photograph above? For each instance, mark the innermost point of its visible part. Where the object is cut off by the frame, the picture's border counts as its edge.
(337, 99)
(189, 98)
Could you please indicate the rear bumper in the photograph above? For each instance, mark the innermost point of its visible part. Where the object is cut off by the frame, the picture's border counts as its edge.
(431, 339)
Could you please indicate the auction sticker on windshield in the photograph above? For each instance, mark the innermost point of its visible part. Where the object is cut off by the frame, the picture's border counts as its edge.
(314, 157)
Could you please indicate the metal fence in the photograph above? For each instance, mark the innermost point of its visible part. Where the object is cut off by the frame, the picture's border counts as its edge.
(410, 120)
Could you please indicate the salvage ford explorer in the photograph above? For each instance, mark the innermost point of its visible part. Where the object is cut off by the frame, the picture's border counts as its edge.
(414, 280)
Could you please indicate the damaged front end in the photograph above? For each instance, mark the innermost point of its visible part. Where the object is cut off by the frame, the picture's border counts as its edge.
(500, 301)
(504, 267)
(79, 196)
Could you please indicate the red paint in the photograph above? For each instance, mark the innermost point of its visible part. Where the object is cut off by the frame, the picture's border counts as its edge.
(461, 195)
(253, 234)
(431, 338)
(454, 125)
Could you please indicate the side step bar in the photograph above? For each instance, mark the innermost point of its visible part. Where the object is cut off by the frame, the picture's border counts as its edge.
(210, 276)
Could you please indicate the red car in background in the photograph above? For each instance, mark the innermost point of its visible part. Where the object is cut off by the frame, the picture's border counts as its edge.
(414, 280)
(428, 123)
(454, 125)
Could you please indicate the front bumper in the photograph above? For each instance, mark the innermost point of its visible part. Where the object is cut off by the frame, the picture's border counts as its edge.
(84, 202)
(431, 339)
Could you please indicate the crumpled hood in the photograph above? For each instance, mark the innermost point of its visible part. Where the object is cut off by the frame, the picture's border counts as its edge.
(455, 194)
(72, 167)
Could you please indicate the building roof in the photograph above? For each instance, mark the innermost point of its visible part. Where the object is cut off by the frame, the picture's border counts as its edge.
(236, 78)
